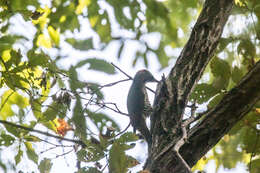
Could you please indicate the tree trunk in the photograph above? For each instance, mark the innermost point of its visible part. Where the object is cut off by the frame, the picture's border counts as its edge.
(173, 148)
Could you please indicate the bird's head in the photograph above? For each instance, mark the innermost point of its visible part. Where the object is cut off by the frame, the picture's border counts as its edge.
(144, 76)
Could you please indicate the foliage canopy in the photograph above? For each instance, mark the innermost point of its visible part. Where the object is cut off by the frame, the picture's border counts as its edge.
(36, 92)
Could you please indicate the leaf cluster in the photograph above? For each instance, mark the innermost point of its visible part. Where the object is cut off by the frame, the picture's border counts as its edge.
(35, 90)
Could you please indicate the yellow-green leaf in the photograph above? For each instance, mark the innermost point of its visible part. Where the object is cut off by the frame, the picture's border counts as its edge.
(45, 166)
(82, 5)
(8, 99)
(32, 138)
(54, 35)
(31, 153)
(43, 41)
(18, 156)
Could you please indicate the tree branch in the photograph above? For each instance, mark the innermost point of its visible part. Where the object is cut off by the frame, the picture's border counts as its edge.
(43, 133)
(172, 97)
(232, 108)
(196, 54)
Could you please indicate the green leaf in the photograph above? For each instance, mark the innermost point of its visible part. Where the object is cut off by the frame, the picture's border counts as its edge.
(79, 120)
(18, 157)
(101, 120)
(98, 65)
(223, 43)
(74, 81)
(6, 140)
(36, 108)
(157, 8)
(13, 130)
(220, 83)
(122, 19)
(26, 14)
(222, 73)
(71, 22)
(64, 17)
(45, 166)
(4, 28)
(120, 50)
(14, 81)
(145, 60)
(101, 24)
(4, 14)
(246, 48)
(93, 153)
(255, 166)
(54, 109)
(138, 55)
(228, 146)
(81, 44)
(251, 139)
(220, 67)
(19, 100)
(36, 59)
(161, 56)
(31, 153)
(236, 74)
(17, 5)
(131, 162)
(3, 3)
(203, 92)
(117, 159)
(16, 57)
(82, 155)
(50, 125)
(128, 137)
(95, 90)
(31, 138)
(215, 100)
(7, 41)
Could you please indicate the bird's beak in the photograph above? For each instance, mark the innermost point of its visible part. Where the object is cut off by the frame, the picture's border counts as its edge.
(154, 80)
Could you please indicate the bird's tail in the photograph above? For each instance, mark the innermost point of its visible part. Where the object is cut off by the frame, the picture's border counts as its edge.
(138, 123)
(145, 132)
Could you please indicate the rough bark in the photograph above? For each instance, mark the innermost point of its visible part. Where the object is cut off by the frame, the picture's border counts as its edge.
(232, 108)
(173, 148)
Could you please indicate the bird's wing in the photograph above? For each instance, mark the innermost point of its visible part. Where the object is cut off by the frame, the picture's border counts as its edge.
(147, 105)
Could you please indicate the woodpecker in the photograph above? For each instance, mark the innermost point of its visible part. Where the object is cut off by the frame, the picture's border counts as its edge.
(138, 104)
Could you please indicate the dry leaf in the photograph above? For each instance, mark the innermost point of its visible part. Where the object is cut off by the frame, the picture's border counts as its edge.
(62, 126)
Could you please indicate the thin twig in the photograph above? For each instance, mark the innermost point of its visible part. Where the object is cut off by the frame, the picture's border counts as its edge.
(193, 118)
(129, 76)
(116, 109)
(123, 131)
(150, 89)
(121, 70)
(63, 154)
(106, 164)
(43, 133)
(113, 83)
(114, 104)
(51, 148)
(55, 145)
(104, 167)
